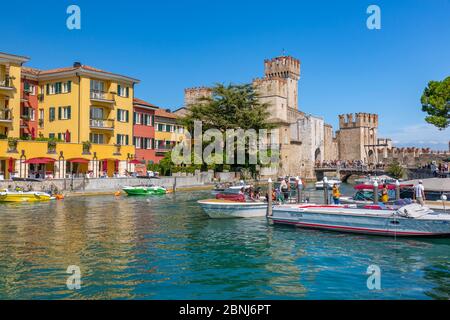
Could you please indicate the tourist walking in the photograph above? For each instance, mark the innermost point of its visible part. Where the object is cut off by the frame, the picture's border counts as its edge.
(419, 193)
(384, 194)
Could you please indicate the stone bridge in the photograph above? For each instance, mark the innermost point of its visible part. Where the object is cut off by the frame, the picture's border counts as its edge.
(346, 172)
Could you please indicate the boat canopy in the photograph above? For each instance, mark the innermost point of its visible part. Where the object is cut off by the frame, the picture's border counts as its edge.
(380, 186)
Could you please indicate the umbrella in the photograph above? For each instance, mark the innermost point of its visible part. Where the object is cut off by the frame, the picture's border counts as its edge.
(105, 165)
(67, 136)
(116, 165)
(33, 133)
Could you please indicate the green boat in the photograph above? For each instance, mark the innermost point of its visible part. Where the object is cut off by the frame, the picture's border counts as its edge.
(141, 191)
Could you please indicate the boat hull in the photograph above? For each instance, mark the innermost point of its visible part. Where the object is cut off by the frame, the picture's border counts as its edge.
(144, 191)
(379, 222)
(224, 209)
(24, 197)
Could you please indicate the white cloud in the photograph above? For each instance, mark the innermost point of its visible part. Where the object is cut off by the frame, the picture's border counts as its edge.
(419, 135)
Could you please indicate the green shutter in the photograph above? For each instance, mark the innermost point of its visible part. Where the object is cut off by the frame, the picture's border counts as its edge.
(128, 92)
(48, 89)
(69, 86)
(153, 120)
(52, 114)
(59, 113)
(118, 89)
(127, 139)
(127, 113)
(69, 112)
(59, 136)
(118, 114)
(51, 136)
(117, 139)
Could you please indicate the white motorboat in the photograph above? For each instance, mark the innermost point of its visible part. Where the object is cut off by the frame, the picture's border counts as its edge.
(330, 183)
(383, 179)
(222, 208)
(409, 220)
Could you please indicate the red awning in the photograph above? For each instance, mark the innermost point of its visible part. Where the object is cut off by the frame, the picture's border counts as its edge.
(40, 161)
(78, 160)
(134, 162)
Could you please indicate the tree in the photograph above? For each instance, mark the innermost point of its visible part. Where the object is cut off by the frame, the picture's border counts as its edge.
(395, 170)
(436, 103)
(229, 107)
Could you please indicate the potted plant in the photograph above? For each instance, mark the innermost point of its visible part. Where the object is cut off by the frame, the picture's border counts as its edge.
(51, 146)
(12, 144)
(87, 147)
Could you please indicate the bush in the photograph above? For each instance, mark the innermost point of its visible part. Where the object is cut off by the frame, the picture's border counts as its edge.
(395, 170)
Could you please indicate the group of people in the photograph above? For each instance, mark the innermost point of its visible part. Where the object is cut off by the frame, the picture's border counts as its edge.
(251, 193)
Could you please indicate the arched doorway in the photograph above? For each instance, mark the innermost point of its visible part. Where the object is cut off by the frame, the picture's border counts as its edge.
(317, 155)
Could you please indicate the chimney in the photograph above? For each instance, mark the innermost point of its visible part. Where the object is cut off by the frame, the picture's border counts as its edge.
(77, 64)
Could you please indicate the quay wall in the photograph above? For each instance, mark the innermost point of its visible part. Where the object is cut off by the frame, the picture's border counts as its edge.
(108, 184)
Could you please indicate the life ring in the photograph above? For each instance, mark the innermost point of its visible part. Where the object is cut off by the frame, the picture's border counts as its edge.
(118, 193)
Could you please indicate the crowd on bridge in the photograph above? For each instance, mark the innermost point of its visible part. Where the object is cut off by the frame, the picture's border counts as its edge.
(349, 164)
(438, 169)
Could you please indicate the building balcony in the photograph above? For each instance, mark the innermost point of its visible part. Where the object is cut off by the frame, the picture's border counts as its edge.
(6, 84)
(163, 149)
(102, 124)
(5, 117)
(102, 97)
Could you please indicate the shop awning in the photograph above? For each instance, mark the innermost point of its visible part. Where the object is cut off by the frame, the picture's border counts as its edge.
(40, 161)
(134, 162)
(78, 160)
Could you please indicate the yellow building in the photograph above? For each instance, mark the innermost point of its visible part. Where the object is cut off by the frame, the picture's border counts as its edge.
(84, 112)
(167, 132)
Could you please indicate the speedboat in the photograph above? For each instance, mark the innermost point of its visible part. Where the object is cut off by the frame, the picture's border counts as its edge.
(233, 189)
(142, 190)
(330, 183)
(22, 196)
(379, 179)
(233, 206)
(408, 220)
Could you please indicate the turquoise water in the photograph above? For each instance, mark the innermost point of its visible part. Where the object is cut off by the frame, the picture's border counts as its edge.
(166, 248)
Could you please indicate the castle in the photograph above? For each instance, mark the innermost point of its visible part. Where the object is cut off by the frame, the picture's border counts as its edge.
(306, 139)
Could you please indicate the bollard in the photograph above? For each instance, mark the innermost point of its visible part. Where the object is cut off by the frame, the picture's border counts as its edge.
(325, 190)
(397, 190)
(375, 192)
(299, 189)
(269, 199)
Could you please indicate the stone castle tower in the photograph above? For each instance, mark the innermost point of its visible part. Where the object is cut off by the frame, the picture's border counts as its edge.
(357, 137)
(192, 95)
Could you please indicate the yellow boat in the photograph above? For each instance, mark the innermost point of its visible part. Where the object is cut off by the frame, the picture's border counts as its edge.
(20, 196)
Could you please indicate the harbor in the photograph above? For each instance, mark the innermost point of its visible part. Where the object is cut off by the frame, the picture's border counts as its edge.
(166, 247)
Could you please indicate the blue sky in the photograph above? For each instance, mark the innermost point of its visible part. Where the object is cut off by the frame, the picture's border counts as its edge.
(171, 45)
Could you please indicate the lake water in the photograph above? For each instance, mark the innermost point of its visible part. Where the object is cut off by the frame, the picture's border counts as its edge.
(166, 248)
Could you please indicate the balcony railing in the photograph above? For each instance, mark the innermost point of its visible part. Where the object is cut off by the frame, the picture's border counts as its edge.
(101, 96)
(6, 83)
(163, 148)
(5, 115)
(106, 124)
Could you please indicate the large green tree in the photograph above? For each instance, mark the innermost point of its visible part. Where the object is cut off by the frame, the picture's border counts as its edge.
(229, 107)
(436, 103)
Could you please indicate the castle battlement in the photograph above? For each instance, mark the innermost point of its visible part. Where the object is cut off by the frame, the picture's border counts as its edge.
(192, 95)
(282, 67)
(357, 120)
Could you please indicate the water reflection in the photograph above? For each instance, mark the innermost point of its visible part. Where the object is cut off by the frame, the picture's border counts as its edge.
(166, 248)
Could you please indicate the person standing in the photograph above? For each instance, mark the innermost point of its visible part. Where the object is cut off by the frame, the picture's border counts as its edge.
(384, 194)
(419, 193)
(336, 194)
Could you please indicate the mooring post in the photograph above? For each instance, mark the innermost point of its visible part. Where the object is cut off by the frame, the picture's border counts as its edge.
(397, 190)
(444, 198)
(269, 198)
(375, 192)
(325, 190)
(174, 184)
(299, 189)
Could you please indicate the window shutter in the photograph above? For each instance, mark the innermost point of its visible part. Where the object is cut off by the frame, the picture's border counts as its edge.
(153, 144)
(52, 114)
(69, 86)
(59, 113)
(127, 114)
(118, 115)
(48, 89)
(153, 121)
(59, 136)
(128, 92)
(126, 139)
(134, 117)
(117, 139)
(69, 112)
(118, 90)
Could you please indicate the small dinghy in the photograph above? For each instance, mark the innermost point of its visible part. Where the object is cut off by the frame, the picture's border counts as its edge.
(233, 206)
(22, 196)
(142, 190)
